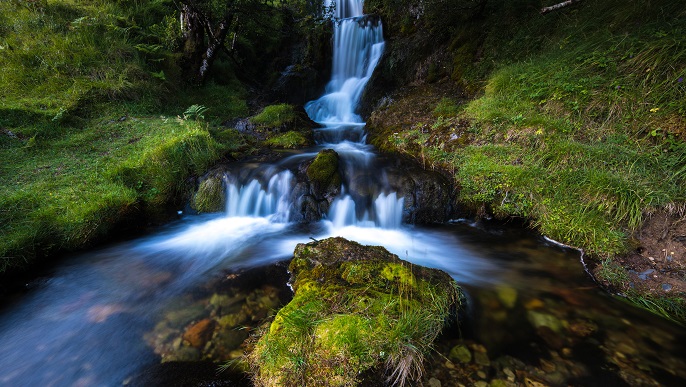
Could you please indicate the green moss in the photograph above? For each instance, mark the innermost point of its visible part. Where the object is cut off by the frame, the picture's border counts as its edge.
(210, 196)
(355, 308)
(324, 169)
(275, 116)
(289, 140)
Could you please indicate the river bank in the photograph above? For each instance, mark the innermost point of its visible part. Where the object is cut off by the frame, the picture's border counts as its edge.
(566, 133)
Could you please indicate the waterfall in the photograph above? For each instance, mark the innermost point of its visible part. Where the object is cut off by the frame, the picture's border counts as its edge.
(387, 212)
(252, 200)
(357, 47)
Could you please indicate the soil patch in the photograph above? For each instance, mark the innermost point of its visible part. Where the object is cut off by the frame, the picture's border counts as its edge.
(657, 265)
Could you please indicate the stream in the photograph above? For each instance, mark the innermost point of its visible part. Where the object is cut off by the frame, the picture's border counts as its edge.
(531, 316)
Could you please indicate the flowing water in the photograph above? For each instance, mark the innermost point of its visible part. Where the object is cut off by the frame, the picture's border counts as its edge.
(532, 314)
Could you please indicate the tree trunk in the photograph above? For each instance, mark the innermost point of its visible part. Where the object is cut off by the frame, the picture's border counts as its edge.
(216, 43)
(555, 7)
(193, 32)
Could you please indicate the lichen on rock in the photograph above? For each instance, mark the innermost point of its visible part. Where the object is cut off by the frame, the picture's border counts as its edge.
(358, 311)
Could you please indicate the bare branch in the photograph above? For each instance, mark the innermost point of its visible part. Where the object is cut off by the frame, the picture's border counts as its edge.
(555, 7)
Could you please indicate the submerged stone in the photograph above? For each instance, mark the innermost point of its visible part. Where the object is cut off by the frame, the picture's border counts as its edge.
(461, 353)
(356, 309)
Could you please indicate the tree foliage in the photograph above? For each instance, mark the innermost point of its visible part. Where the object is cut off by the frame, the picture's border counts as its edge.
(238, 28)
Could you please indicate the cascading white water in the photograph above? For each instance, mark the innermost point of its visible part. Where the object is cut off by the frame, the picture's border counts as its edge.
(357, 48)
(254, 201)
(387, 214)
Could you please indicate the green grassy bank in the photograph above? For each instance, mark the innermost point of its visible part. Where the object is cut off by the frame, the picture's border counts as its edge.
(96, 133)
(574, 120)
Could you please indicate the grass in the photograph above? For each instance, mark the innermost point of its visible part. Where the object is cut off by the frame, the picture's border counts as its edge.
(575, 121)
(92, 127)
(579, 123)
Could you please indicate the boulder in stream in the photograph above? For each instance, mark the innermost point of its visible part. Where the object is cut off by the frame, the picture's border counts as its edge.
(359, 313)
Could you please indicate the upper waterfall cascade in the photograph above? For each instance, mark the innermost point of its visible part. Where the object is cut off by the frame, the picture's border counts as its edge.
(357, 47)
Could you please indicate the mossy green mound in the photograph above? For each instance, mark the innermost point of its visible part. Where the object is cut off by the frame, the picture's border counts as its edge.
(289, 140)
(356, 309)
(323, 172)
(275, 116)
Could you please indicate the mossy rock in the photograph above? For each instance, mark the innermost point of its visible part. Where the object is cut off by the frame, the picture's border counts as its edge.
(210, 196)
(356, 310)
(275, 116)
(323, 172)
(289, 140)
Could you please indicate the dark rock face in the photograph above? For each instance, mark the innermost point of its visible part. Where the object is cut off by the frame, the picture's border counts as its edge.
(428, 194)
(298, 84)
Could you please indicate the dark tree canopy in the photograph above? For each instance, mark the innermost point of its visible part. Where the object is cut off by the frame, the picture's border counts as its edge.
(210, 27)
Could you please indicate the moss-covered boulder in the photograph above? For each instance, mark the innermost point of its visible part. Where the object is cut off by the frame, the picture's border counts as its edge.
(210, 196)
(358, 312)
(323, 173)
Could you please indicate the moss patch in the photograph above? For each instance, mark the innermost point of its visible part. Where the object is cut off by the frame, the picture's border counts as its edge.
(210, 196)
(289, 140)
(275, 116)
(323, 172)
(356, 308)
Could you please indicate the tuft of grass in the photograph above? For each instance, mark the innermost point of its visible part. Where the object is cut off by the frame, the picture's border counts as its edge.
(447, 107)
(672, 308)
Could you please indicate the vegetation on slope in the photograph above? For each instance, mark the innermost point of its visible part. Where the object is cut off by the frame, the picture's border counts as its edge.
(98, 124)
(574, 120)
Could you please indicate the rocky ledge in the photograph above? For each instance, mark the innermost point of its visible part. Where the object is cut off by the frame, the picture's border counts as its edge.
(359, 315)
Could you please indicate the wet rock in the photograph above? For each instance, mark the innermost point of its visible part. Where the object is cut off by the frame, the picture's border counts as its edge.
(185, 314)
(225, 304)
(582, 328)
(351, 296)
(644, 275)
(225, 342)
(481, 355)
(427, 194)
(319, 183)
(185, 353)
(530, 382)
(460, 353)
(666, 287)
(198, 333)
(498, 383)
(547, 366)
(507, 295)
(534, 303)
(433, 382)
(550, 337)
(540, 319)
(323, 174)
